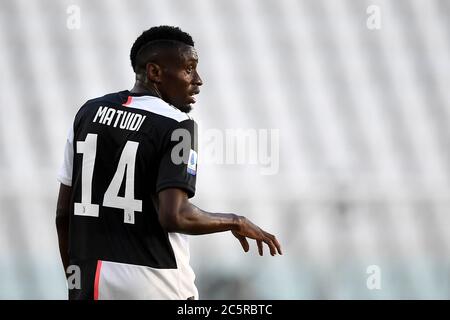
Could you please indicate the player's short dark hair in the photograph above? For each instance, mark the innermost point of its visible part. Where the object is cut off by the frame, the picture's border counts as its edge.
(158, 34)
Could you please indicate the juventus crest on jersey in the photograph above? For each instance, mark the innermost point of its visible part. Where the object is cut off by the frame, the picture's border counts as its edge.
(119, 154)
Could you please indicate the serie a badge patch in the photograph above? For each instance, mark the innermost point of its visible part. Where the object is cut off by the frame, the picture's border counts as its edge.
(192, 164)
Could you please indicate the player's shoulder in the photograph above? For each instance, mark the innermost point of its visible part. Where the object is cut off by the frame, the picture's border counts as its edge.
(157, 106)
(160, 114)
(108, 99)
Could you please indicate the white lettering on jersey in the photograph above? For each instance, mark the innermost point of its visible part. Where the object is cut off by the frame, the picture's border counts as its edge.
(118, 118)
(100, 113)
(123, 124)
(109, 116)
(119, 113)
(140, 124)
(136, 121)
(131, 119)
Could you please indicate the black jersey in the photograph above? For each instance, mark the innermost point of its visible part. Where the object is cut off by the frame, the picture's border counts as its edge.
(122, 150)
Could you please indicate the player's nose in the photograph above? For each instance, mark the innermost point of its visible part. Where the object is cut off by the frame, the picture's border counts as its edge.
(197, 80)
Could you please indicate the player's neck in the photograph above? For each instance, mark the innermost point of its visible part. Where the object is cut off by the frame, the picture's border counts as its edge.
(140, 88)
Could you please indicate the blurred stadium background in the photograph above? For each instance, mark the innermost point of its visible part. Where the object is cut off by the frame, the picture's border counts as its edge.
(363, 118)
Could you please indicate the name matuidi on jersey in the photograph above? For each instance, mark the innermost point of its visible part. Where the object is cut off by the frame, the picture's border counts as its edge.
(119, 119)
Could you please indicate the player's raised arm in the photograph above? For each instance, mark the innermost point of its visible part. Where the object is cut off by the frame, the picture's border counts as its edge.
(177, 214)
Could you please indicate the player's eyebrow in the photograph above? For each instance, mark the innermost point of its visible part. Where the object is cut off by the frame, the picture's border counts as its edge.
(191, 60)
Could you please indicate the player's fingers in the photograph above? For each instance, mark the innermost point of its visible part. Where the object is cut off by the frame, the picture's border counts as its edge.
(244, 243)
(260, 247)
(275, 242)
(277, 245)
(271, 245)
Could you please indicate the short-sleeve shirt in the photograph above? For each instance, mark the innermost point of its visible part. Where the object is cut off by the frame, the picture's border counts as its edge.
(121, 151)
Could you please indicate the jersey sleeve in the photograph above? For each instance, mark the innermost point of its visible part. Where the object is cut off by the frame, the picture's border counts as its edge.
(65, 171)
(178, 165)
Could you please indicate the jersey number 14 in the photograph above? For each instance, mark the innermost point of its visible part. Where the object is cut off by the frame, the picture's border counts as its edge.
(88, 149)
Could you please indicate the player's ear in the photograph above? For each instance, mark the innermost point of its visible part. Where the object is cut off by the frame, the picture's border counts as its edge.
(153, 72)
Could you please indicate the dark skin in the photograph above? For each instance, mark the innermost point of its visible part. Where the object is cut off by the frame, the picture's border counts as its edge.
(171, 74)
(62, 222)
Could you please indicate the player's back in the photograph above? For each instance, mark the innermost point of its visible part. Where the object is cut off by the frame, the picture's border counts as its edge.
(122, 156)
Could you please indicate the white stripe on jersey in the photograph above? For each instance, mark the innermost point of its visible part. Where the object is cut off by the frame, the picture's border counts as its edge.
(180, 246)
(65, 171)
(156, 105)
(122, 281)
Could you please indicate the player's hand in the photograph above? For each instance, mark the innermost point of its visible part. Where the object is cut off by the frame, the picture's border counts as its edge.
(248, 229)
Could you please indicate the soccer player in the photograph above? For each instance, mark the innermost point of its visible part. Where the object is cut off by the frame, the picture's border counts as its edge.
(129, 169)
